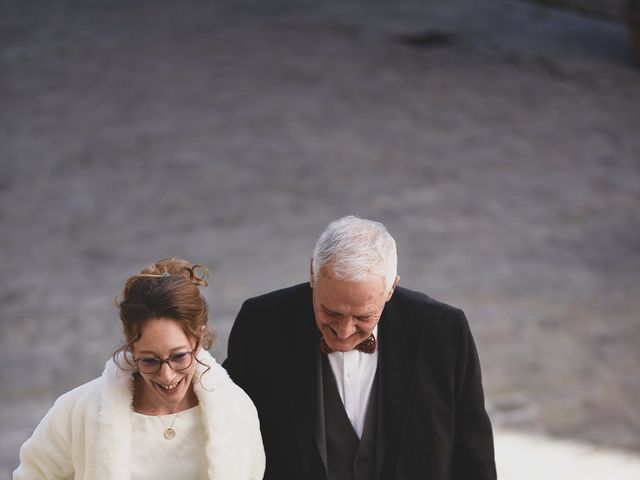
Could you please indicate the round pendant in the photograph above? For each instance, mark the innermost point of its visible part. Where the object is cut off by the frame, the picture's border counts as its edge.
(169, 433)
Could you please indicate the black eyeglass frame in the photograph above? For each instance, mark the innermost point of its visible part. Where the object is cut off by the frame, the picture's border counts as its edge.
(162, 361)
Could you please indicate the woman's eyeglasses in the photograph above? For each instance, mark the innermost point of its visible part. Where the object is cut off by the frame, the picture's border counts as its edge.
(177, 361)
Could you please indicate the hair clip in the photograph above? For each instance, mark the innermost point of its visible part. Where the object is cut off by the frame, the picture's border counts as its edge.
(165, 274)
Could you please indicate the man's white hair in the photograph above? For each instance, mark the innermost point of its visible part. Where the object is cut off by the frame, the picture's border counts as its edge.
(354, 248)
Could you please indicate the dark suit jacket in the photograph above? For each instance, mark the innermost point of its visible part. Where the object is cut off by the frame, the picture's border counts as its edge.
(432, 404)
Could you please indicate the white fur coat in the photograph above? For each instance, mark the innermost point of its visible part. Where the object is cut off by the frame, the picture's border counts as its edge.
(87, 433)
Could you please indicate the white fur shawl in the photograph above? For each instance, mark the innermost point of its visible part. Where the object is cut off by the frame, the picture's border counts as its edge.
(73, 440)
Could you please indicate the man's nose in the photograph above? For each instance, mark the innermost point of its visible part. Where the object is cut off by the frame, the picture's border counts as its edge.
(345, 328)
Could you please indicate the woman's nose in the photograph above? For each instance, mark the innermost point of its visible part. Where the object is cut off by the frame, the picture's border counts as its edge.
(165, 372)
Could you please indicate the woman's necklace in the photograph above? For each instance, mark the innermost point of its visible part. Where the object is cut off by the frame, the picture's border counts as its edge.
(169, 433)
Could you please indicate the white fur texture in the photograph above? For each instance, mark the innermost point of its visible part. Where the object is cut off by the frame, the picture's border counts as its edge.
(87, 433)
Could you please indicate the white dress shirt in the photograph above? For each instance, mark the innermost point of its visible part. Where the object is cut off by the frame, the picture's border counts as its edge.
(354, 372)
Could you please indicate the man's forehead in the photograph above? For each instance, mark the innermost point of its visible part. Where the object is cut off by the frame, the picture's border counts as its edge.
(329, 273)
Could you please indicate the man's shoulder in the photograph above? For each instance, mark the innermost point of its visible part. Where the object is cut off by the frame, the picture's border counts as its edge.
(419, 300)
(421, 312)
(286, 295)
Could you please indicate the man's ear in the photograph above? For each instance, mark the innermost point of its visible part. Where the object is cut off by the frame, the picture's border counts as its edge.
(393, 288)
(311, 282)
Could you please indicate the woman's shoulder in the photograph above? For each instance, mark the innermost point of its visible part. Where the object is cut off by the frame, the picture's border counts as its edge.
(216, 383)
(90, 391)
(69, 408)
(82, 394)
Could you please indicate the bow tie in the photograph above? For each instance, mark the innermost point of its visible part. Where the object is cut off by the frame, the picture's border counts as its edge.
(367, 346)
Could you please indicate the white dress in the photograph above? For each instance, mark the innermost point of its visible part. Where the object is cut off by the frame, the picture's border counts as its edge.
(155, 456)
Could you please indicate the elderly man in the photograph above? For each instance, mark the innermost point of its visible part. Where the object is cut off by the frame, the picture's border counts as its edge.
(357, 378)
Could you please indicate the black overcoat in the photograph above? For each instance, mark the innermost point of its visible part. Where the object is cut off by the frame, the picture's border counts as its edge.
(432, 404)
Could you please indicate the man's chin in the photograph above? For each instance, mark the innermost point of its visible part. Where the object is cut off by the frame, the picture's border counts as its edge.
(341, 346)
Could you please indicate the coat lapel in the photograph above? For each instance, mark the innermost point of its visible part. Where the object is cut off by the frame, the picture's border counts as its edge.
(113, 449)
(399, 348)
(304, 394)
(227, 454)
(320, 429)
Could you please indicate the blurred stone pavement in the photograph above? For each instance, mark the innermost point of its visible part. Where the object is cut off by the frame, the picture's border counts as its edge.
(499, 141)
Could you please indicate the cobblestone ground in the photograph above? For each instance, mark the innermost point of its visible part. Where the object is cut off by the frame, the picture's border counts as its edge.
(499, 141)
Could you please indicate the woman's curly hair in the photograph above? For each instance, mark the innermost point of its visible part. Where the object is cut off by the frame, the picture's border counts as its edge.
(168, 288)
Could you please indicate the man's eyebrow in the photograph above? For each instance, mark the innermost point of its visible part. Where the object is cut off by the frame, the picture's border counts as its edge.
(328, 310)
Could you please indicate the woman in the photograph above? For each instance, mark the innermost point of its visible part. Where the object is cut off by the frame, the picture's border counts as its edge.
(163, 407)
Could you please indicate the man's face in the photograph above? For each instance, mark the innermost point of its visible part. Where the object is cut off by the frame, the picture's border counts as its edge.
(347, 311)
